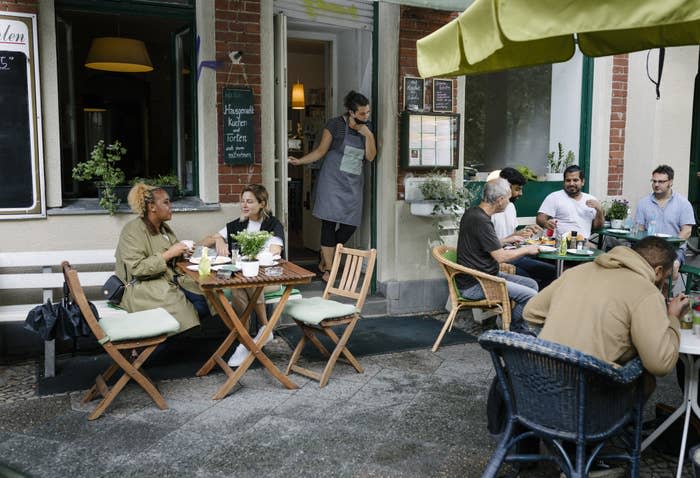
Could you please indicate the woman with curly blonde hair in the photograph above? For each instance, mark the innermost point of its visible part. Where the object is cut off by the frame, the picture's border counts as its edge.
(146, 254)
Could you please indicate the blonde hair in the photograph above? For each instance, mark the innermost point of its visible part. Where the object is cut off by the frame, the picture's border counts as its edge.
(260, 193)
(139, 197)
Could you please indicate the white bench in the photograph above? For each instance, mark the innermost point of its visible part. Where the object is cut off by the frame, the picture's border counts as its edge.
(23, 271)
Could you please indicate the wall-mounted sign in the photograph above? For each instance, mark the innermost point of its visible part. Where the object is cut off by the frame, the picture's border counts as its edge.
(413, 93)
(21, 154)
(239, 126)
(442, 95)
(429, 140)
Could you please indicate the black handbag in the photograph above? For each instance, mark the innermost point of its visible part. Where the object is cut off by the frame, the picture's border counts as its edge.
(113, 289)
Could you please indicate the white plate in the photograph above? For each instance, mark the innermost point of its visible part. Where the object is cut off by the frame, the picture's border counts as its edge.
(547, 249)
(274, 263)
(216, 260)
(619, 231)
(661, 234)
(226, 267)
(582, 252)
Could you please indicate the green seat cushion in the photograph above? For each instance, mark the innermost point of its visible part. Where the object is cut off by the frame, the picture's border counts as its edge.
(139, 325)
(316, 309)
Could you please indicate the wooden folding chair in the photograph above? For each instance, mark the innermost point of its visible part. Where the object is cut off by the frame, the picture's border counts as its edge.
(119, 336)
(495, 291)
(320, 314)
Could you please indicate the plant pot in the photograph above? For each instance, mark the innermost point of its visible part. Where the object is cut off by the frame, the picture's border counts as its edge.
(122, 192)
(555, 176)
(616, 223)
(250, 268)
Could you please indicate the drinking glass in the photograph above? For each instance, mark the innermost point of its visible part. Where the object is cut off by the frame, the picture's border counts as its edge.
(235, 256)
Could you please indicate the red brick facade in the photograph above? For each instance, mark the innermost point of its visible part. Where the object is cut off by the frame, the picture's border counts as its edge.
(19, 6)
(238, 29)
(618, 122)
(416, 23)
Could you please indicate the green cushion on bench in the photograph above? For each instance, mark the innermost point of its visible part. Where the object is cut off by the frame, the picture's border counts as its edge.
(139, 325)
(316, 309)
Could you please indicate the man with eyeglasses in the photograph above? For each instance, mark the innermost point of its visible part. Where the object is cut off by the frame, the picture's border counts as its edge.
(673, 214)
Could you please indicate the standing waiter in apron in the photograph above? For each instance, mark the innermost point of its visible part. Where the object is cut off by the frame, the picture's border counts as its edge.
(345, 144)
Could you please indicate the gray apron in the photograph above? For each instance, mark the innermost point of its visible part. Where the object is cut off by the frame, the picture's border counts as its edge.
(340, 183)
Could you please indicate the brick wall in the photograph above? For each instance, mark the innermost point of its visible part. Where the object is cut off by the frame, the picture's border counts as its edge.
(416, 23)
(238, 29)
(618, 122)
(19, 6)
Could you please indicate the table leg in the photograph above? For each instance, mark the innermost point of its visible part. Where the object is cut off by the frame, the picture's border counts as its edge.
(560, 267)
(255, 349)
(691, 405)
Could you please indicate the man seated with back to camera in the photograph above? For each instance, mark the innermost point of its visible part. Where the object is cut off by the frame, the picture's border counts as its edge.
(479, 248)
(506, 223)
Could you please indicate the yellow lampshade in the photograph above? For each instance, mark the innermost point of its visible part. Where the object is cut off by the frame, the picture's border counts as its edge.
(298, 102)
(118, 54)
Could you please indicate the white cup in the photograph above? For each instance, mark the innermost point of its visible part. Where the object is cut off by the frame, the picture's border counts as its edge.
(188, 243)
(265, 258)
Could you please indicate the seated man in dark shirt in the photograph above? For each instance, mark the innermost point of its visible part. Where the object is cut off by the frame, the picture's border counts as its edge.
(479, 248)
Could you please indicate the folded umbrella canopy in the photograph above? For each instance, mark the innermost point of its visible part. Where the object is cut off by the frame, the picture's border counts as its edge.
(495, 35)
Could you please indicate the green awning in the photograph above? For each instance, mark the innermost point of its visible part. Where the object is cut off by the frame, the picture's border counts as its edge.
(494, 35)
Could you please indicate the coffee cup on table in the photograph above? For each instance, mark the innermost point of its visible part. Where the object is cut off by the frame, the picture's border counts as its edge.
(265, 258)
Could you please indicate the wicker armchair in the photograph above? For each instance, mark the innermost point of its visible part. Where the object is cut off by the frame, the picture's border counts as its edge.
(495, 292)
(560, 394)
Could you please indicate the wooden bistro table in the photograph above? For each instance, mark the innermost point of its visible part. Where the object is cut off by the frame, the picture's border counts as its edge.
(213, 289)
(569, 257)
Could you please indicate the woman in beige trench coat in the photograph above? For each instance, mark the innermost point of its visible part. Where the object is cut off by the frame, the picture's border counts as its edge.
(147, 252)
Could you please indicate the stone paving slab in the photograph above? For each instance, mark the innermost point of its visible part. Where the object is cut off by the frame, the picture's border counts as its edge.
(411, 414)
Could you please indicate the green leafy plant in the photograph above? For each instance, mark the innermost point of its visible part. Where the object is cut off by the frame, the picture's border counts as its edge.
(616, 208)
(251, 243)
(160, 180)
(449, 200)
(527, 172)
(559, 161)
(102, 167)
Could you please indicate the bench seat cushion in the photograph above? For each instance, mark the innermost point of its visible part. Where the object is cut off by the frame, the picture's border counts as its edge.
(139, 325)
(317, 309)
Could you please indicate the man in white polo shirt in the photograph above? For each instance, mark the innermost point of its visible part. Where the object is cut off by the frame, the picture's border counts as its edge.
(571, 209)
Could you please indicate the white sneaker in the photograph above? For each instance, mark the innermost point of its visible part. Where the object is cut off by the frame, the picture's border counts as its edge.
(259, 334)
(238, 356)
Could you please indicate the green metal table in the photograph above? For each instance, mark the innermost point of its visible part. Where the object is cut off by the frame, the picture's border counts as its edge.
(628, 236)
(569, 257)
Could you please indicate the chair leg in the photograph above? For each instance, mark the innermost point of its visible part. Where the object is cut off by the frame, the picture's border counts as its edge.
(94, 390)
(345, 351)
(296, 354)
(448, 324)
(336, 352)
(499, 455)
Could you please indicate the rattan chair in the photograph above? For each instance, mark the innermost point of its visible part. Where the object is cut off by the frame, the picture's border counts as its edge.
(559, 395)
(495, 291)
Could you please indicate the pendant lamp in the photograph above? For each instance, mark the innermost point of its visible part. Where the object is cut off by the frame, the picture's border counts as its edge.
(298, 102)
(118, 54)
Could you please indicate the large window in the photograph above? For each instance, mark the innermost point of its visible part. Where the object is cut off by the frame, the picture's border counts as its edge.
(152, 114)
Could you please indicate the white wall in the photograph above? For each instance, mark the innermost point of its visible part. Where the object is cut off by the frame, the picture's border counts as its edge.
(600, 127)
(658, 131)
(565, 106)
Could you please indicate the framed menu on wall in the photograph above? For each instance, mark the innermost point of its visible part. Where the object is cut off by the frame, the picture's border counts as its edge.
(413, 93)
(442, 95)
(22, 182)
(429, 140)
(239, 126)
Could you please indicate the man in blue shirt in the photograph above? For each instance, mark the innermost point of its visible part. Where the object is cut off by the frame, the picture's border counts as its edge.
(672, 213)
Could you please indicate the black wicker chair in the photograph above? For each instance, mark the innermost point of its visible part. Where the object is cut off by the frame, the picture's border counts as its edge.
(559, 395)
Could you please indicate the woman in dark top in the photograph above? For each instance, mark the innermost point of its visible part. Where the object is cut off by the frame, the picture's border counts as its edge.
(345, 144)
(255, 216)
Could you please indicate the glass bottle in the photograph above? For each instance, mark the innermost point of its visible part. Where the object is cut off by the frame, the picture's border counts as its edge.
(562, 245)
(204, 263)
(628, 220)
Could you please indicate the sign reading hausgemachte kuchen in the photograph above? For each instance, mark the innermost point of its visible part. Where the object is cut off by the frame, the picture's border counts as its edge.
(239, 126)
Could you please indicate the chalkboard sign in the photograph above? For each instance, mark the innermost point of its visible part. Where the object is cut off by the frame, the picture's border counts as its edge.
(21, 181)
(413, 93)
(239, 126)
(442, 95)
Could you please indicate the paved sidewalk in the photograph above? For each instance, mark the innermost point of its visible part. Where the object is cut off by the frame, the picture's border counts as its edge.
(411, 414)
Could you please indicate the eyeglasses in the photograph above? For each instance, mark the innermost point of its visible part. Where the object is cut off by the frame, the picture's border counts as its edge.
(660, 181)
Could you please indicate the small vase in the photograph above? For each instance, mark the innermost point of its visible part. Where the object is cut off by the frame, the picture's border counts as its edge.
(616, 223)
(250, 268)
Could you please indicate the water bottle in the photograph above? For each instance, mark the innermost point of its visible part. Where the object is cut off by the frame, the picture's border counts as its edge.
(204, 263)
(651, 228)
(562, 245)
(628, 220)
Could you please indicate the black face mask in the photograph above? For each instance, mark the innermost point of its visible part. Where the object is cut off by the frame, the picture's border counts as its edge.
(360, 121)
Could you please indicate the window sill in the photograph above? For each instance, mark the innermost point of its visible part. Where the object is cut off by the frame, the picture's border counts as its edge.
(90, 206)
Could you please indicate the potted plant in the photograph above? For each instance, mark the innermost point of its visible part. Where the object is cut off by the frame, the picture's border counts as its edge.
(169, 182)
(250, 245)
(558, 162)
(102, 167)
(528, 173)
(616, 211)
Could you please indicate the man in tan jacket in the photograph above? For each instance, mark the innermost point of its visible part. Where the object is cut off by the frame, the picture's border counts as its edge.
(613, 309)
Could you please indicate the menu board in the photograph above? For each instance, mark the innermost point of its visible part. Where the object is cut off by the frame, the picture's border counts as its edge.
(21, 184)
(429, 141)
(413, 93)
(239, 126)
(442, 95)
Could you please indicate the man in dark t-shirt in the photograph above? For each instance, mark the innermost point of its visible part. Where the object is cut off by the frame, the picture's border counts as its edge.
(479, 248)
